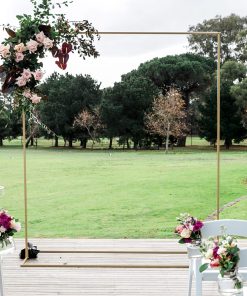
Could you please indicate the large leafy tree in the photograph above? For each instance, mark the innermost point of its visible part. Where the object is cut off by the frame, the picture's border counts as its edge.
(124, 107)
(233, 38)
(67, 95)
(232, 128)
(4, 123)
(239, 91)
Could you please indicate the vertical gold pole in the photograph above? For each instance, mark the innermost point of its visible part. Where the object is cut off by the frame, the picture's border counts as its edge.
(25, 179)
(218, 130)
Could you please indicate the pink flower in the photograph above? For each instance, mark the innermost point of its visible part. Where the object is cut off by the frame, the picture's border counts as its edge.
(4, 50)
(26, 74)
(35, 99)
(48, 43)
(15, 225)
(5, 220)
(2, 229)
(21, 81)
(20, 47)
(19, 57)
(215, 263)
(179, 229)
(27, 93)
(38, 75)
(32, 45)
(40, 37)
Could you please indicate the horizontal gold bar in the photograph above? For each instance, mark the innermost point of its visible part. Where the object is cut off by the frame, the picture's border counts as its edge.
(154, 33)
(103, 266)
(110, 252)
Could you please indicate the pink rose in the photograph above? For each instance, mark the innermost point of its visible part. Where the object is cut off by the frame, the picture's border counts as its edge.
(20, 47)
(48, 43)
(19, 57)
(21, 81)
(35, 99)
(27, 93)
(38, 75)
(179, 228)
(26, 74)
(2, 229)
(4, 50)
(16, 226)
(32, 45)
(40, 37)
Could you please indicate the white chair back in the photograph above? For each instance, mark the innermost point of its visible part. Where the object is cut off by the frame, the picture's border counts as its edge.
(243, 258)
(233, 227)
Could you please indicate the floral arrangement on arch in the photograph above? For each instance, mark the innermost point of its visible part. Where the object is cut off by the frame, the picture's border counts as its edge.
(8, 227)
(25, 46)
(222, 253)
(189, 229)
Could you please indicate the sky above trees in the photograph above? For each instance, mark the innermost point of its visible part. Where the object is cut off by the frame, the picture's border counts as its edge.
(121, 54)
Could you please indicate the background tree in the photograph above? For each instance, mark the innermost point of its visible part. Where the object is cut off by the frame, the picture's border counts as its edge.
(239, 91)
(91, 122)
(233, 38)
(67, 95)
(190, 74)
(232, 128)
(4, 123)
(124, 107)
(167, 116)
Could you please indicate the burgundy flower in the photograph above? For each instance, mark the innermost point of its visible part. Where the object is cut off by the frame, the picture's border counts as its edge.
(215, 250)
(5, 220)
(197, 226)
(187, 240)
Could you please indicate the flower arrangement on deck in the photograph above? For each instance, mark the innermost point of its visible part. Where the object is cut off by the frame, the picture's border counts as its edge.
(21, 52)
(189, 229)
(8, 227)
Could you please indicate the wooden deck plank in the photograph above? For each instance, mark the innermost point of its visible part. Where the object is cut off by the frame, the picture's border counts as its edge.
(100, 282)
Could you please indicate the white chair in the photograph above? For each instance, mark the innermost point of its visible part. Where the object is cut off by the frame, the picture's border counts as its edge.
(214, 228)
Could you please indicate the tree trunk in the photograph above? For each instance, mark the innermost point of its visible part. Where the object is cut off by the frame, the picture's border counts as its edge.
(83, 143)
(1, 141)
(110, 143)
(181, 141)
(228, 143)
(167, 137)
(128, 144)
(31, 141)
(70, 143)
(56, 141)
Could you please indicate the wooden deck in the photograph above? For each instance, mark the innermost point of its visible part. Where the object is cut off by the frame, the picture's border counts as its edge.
(27, 281)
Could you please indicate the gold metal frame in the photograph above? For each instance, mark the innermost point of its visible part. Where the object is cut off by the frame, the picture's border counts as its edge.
(25, 262)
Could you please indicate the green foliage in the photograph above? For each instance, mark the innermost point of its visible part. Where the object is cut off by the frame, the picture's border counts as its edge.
(124, 107)
(67, 96)
(233, 38)
(232, 127)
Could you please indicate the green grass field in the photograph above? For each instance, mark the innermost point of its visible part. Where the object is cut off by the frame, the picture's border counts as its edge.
(118, 194)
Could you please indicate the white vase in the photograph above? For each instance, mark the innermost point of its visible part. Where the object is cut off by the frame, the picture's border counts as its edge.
(7, 248)
(230, 285)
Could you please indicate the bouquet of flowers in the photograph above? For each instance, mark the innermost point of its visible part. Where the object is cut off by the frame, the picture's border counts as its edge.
(8, 227)
(222, 253)
(25, 46)
(188, 229)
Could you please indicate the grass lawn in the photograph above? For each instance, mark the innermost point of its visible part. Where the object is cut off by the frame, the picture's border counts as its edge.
(75, 193)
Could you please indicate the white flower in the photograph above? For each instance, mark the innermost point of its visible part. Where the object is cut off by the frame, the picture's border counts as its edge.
(4, 50)
(40, 37)
(185, 233)
(48, 43)
(20, 47)
(209, 254)
(221, 251)
(32, 45)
